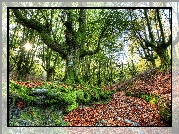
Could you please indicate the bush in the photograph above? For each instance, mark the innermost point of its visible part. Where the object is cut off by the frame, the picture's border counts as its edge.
(80, 96)
(104, 95)
(71, 107)
(21, 93)
(95, 96)
(165, 112)
(83, 96)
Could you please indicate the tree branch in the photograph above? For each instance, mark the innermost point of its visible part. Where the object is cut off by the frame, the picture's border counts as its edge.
(29, 23)
(160, 25)
(169, 42)
(84, 52)
(149, 26)
(41, 29)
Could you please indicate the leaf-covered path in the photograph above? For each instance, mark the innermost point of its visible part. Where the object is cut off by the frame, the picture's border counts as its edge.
(126, 110)
(121, 111)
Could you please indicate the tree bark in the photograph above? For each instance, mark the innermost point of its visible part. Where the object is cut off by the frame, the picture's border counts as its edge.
(50, 74)
(164, 57)
(72, 66)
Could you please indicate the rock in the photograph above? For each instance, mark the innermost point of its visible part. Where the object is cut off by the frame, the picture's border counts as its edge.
(25, 123)
(14, 112)
(101, 122)
(39, 91)
(131, 122)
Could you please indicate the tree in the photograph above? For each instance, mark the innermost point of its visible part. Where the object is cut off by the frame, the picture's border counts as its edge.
(149, 30)
(49, 61)
(73, 33)
(21, 61)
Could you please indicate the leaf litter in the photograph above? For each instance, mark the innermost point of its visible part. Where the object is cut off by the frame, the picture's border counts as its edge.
(126, 110)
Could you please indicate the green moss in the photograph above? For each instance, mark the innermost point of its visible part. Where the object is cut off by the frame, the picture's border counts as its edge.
(154, 100)
(146, 96)
(83, 96)
(128, 93)
(71, 107)
(165, 112)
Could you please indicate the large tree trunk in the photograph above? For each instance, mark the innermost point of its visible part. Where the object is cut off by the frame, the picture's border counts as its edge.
(50, 73)
(72, 65)
(159, 47)
(73, 48)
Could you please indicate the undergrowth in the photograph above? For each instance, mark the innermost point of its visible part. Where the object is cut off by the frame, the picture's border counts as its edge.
(64, 97)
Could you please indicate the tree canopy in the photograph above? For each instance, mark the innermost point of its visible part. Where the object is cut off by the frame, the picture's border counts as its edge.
(74, 36)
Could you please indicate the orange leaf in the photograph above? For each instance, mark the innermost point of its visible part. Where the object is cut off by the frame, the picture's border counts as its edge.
(31, 112)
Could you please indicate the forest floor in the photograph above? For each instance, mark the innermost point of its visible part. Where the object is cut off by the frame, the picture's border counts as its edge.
(126, 110)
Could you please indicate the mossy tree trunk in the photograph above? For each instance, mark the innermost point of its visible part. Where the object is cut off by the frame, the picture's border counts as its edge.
(161, 46)
(67, 31)
(153, 36)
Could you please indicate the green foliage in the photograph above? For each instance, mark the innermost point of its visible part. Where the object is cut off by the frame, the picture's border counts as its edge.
(64, 90)
(69, 98)
(106, 95)
(95, 94)
(13, 86)
(153, 99)
(164, 67)
(146, 97)
(86, 96)
(83, 97)
(165, 112)
(41, 117)
(63, 99)
(71, 107)
(100, 95)
(128, 94)
(17, 91)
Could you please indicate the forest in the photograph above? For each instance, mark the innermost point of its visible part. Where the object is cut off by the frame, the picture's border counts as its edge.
(89, 67)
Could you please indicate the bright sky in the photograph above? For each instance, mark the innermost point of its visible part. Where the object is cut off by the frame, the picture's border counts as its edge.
(28, 46)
